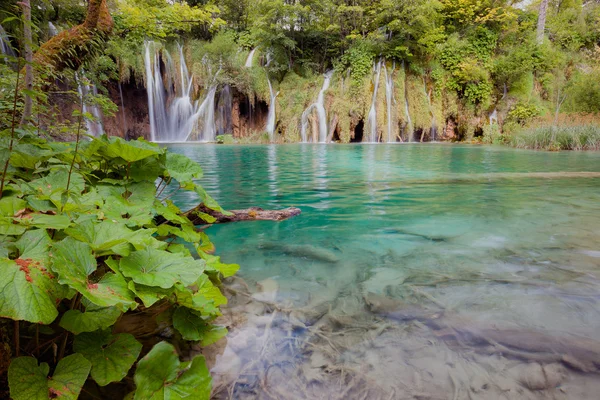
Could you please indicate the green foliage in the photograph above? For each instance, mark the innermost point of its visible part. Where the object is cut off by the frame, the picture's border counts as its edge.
(225, 139)
(522, 112)
(160, 375)
(583, 137)
(86, 239)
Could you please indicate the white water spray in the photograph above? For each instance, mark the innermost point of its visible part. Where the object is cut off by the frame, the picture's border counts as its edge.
(409, 125)
(271, 116)
(320, 107)
(372, 117)
(85, 88)
(52, 31)
(389, 99)
(172, 112)
(249, 59)
(5, 45)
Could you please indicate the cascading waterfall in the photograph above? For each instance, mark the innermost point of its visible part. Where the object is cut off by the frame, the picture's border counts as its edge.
(389, 98)
(124, 121)
(320, 107)
(433, 131)
(207, 111)
(5, 45)
(494, 114)
(52, 31)
(271, 116)
(372, 118)
(223, 114)
(172, 113)
(409, 125)
(94, 127)
(249, 59)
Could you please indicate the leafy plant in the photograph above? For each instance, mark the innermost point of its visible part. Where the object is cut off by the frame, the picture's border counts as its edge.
(88, 238)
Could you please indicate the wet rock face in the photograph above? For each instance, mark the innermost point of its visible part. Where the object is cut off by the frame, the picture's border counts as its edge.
(131, 121)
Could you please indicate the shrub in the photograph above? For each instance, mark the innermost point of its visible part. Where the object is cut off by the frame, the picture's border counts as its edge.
(87, 239)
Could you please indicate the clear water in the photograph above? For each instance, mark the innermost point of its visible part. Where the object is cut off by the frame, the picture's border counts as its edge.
(495, 239)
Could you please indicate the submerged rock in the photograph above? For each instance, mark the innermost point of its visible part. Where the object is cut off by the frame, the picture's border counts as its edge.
(302, 250)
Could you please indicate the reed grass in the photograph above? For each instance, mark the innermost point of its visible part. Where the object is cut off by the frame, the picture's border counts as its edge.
(577, 137)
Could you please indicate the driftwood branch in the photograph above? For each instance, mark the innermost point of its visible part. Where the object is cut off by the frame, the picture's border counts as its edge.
(249, 214)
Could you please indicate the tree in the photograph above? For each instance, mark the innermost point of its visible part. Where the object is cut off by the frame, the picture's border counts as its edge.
(26, 5)
(541, 24)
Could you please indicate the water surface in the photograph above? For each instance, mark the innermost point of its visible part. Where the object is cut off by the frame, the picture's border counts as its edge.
(414, 271)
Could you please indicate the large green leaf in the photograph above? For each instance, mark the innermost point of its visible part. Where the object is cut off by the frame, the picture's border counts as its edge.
(149, 294)
(152, 267)
(52, 186)
(10, 205)
(196, 301)
(130, 151)
(92, 319)
(73, 261)
(109, 237)
(111, 355)
(192, 326)
(28, 291)
(46, 221)
(161, 376)
(182, 168)
(34, 244)
(214, 263)
(209, 201)
(30, 381)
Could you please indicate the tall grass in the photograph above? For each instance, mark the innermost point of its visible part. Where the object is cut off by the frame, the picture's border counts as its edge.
(578, 137)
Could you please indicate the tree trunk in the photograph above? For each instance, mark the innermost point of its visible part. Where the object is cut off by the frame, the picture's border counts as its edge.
(26, 5)
(250, 214)
(541, 24)
(69, 48)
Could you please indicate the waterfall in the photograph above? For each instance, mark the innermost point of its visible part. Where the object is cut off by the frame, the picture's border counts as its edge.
(223, 114)
(5, 45)
(122, 109)
(494, 116)
(172, 112)
(271, 116)
(207, 110)
(249, 59)
(52, 31)
(389, 98)
(409, 124)
(320, 107)
(85, 88)
(372, 118)
(433, 130)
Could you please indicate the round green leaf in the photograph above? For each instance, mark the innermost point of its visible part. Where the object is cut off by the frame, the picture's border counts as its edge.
(27, 292)
(182, 168)
(152, 267)
(29, 381)
(160, 376)
(92, 319)
(111, 355)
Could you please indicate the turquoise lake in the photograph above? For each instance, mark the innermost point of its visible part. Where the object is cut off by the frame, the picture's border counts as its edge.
(414, 271)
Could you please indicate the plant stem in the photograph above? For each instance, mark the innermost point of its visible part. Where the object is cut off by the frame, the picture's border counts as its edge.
(12, 131)
(76, 149)
(17, 339)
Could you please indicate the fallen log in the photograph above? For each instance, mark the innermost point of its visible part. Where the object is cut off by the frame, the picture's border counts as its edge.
(198, 215)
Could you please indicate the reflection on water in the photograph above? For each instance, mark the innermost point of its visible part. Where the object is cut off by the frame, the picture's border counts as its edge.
(415, 271)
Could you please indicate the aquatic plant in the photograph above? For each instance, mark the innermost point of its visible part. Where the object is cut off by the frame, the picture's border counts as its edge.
(94, 256)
